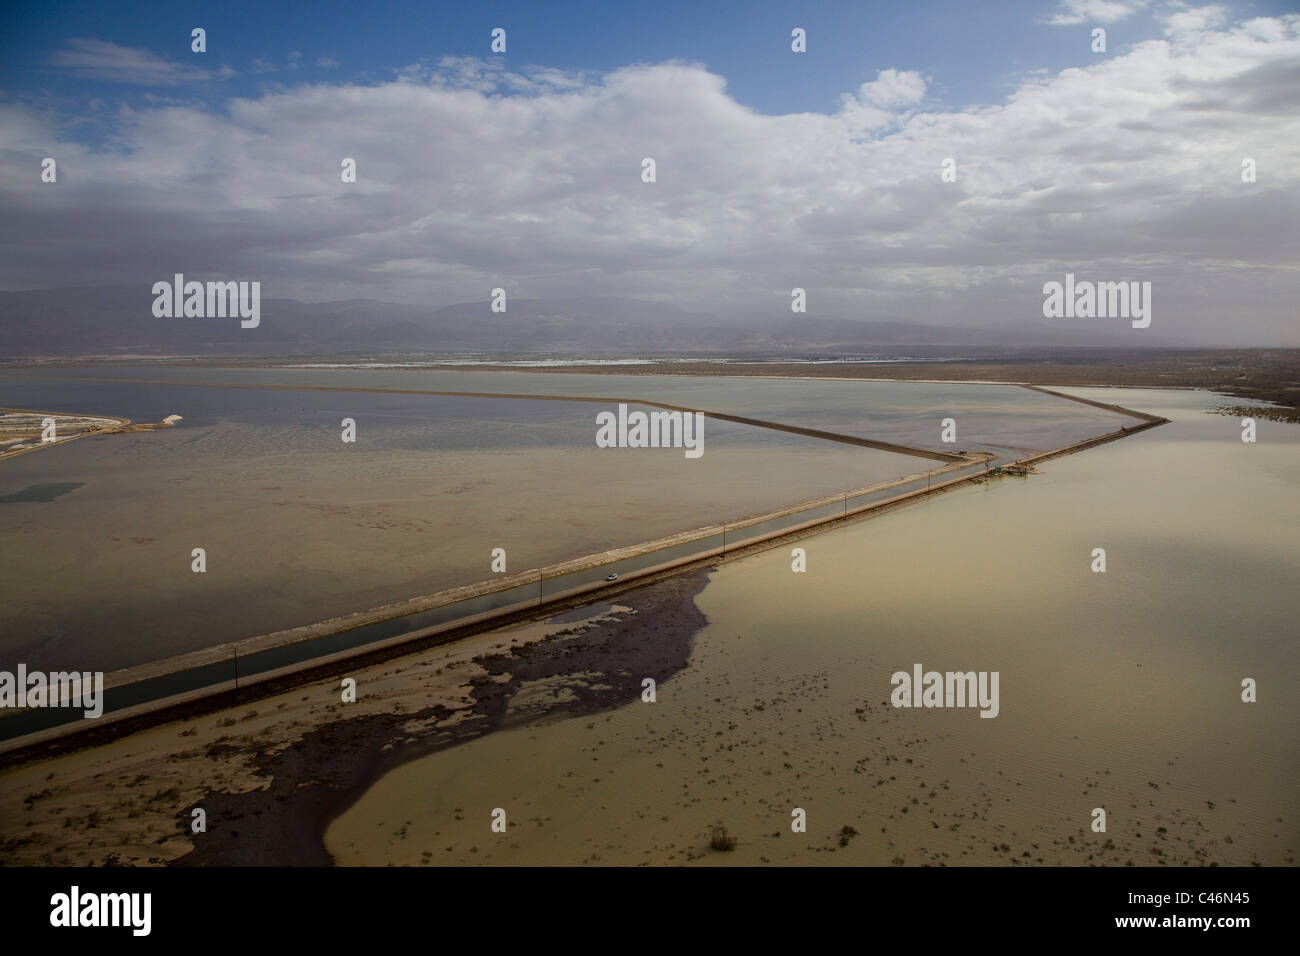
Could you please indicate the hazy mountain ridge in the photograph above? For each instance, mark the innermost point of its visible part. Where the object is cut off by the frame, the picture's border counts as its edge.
(119, 320)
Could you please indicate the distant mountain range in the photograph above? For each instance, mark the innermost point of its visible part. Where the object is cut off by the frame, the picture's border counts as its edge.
(119, 321)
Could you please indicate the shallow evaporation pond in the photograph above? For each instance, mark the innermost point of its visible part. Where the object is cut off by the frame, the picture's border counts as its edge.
(43, 492)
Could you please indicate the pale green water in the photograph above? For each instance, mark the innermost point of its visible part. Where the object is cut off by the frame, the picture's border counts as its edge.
(1118, 690)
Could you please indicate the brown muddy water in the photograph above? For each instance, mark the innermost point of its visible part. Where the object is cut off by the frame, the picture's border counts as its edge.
(1118, 691)
(299, 527)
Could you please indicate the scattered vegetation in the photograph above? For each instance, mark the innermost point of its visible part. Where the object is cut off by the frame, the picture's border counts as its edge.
(171, 793)
(1260, 411)
(721, 840)
(31, 798)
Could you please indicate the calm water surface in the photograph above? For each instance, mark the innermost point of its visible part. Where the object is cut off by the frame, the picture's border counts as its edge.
(1118, 690)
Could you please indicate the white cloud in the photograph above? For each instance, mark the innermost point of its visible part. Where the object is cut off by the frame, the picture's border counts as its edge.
(471, 176)
(1074, 12)
(892, 88)
(104, 60)
(1179, 19)
(882, 102)
(327, 62)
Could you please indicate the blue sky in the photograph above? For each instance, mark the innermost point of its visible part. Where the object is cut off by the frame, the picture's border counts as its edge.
(971, 53)
(776, 170)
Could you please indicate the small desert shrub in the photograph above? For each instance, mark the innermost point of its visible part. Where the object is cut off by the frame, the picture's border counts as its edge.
(721, 840)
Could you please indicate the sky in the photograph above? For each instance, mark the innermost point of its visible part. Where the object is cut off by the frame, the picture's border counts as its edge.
(774, 169)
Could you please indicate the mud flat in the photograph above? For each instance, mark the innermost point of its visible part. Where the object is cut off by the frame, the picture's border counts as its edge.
(271, 774)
